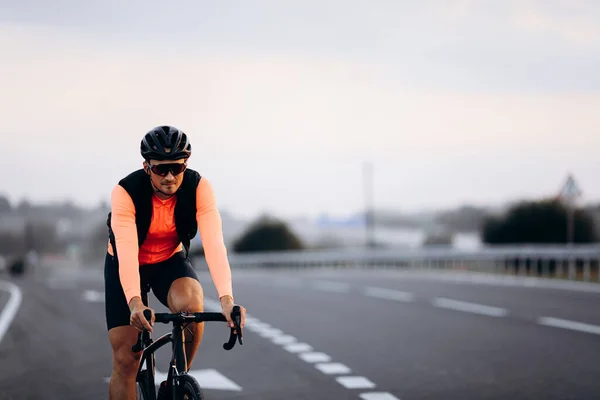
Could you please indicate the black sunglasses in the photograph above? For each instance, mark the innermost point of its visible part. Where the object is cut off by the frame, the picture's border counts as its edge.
(164, 169)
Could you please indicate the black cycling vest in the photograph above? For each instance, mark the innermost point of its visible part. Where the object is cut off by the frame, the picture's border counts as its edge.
(138, 186)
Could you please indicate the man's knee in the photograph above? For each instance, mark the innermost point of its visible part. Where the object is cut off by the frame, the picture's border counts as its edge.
(186, 294)
(125, 361)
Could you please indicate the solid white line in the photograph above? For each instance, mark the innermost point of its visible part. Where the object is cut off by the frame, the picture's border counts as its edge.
(378, 396)
(11, 307)
(469, 307)
(333, 368)
(572, 325)
(355, 382)
(389, 294)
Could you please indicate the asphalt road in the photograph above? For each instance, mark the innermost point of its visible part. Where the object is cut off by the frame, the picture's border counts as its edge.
(328, 334)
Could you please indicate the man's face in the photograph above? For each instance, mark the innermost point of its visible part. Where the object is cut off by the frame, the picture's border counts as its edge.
(166, 175)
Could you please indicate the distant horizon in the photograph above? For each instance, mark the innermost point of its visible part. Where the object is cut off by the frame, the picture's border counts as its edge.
(331, 214)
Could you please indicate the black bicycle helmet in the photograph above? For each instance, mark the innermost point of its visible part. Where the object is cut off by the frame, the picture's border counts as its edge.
(156, 142)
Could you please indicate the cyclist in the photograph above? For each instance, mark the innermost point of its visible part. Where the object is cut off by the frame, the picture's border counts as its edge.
(155, 212)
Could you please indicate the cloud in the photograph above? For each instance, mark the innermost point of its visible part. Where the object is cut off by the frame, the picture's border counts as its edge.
(484, 45)
(300, 123)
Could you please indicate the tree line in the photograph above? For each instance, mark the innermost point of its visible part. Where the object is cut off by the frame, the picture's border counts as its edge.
(526, 222)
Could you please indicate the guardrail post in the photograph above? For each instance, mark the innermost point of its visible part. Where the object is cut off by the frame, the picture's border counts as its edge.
(572, 268)
(522, 267)
(558, 269)
(586, 269)
(545, 267)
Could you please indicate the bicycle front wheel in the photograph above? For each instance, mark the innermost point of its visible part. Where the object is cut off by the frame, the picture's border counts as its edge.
(141, 386)
(141, 392)
(188, 388)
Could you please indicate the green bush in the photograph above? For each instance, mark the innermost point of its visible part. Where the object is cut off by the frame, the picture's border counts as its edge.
(267, 234)
(538, 222)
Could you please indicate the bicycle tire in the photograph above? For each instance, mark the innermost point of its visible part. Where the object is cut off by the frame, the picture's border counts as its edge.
(141, 392)
(141, 386)
(189, 389)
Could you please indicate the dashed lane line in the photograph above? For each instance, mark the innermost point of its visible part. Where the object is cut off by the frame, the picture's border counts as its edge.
(567, 324)
(389, 294)
(321, 361)
(469, 307)
(378, 396)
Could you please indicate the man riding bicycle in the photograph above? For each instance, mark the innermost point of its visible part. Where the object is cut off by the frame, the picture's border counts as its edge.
(155, 212)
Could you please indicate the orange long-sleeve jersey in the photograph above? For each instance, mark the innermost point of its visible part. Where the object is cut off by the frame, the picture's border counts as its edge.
(162, 241)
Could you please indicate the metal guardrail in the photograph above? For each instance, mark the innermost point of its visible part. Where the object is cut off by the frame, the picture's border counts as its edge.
(580, 262)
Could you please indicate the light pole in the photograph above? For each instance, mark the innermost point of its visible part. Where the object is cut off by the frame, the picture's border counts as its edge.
(369, 212)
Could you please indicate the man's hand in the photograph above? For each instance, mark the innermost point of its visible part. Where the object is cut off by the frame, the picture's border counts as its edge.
(137, 318)
(227, 306)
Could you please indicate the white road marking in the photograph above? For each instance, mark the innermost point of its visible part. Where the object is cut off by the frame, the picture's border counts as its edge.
(270, 333)
(567, 324)
(378, 396)
(355, 382)
(258, 327)
(469, 307)
(315, 357)
(335, 287)
(207, 379)
(12, 306)
(298, 347)
(389, 294)
(306, 352)
(93, 296)
(333, 368)
(286, 339)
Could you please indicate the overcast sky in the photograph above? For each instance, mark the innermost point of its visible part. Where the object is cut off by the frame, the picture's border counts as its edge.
(453, 102)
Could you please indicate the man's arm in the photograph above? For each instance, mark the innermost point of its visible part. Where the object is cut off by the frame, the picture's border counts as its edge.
(211, 233)
(124, 228)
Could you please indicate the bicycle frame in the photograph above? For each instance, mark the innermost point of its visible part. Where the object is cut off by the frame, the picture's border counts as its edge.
(178, 363)
(148, 346)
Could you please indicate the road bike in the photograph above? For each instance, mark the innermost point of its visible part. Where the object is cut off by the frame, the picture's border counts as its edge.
(180, 384)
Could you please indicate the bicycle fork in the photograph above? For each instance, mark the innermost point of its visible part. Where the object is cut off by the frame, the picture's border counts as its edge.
(178, 364)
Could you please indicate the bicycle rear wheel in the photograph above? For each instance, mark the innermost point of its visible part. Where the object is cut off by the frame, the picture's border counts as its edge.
(188, 388)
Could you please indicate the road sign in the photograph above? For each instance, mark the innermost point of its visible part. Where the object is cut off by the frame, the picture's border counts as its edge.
(570, 190)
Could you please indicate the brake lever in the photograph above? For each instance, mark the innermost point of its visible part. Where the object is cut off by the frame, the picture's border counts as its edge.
(137, 347)
(236, 316)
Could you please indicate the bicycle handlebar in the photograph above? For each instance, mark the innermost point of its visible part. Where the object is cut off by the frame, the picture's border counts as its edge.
(184, 316)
